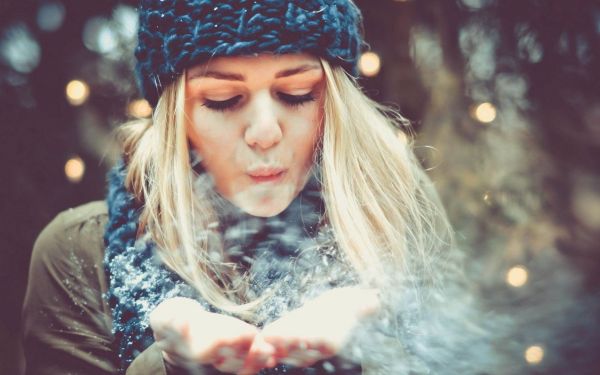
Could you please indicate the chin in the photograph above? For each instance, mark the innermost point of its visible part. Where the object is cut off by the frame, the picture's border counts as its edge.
(264, 211)
(265, 201)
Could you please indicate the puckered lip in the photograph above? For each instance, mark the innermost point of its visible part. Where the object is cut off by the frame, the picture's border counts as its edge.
(265, 171)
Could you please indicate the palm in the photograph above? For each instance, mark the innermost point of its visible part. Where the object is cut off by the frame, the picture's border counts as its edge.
(189, 335)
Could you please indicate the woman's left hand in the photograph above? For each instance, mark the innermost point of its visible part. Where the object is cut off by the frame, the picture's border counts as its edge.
(320, 328)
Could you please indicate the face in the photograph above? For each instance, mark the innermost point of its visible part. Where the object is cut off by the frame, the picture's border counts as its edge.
(255, 121)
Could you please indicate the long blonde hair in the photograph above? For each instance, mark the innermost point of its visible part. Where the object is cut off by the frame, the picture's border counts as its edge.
(385, 215)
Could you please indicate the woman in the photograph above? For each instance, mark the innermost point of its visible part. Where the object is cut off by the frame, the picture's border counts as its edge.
(266, 219)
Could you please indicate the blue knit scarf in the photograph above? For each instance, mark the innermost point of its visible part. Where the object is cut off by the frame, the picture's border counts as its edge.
(271, 248)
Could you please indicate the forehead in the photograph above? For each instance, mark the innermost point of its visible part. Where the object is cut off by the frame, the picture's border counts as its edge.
(238, 68)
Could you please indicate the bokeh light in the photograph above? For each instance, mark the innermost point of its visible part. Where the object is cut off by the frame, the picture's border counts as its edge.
(139, 108)
(485, 113)
(50, 15)
(586, 203)
(99, 36)
(534, 354)
(487, 198)
(77, 92)
(517, 276)
(125, 19)
(19, 48)
(74, 169)
(369, 64)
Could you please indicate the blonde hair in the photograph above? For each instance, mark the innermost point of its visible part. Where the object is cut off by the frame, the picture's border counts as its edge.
(385, 215)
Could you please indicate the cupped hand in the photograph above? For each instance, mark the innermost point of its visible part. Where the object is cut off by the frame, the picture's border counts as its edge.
(317, 330)
(188, 334)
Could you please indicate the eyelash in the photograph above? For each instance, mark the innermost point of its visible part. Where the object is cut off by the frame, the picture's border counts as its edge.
(293, 101)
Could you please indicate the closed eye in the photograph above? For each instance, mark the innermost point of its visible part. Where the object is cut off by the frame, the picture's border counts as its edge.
(229, 104)
(296, 100)
(222, 105)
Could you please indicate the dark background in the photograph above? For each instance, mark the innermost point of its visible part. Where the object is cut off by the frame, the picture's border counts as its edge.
(521, 190)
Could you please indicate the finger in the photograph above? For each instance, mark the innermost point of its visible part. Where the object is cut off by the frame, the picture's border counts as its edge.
(234, 357)
(296, 345)
(281, 351)
(243, 345)
(260, 347)
(174, 353)
(280, 345)
(253, 366)
(227, 352)
(230, 365)
(302, 358)
(260, 355)
(247, 371)
(172, 342)
(224, 358)
(230, 348)
(240, 343)
(326, 350)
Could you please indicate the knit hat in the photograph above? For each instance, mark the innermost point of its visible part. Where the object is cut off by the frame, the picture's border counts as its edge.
(177, 34)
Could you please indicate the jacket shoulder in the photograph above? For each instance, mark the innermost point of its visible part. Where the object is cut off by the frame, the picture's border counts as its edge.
(66, 322)
(76, 216)
(76, 232)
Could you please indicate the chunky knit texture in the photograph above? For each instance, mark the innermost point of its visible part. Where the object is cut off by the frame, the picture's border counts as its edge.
(175, 34)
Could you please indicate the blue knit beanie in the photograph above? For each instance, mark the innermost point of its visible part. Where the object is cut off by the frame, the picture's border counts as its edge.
(177, 34)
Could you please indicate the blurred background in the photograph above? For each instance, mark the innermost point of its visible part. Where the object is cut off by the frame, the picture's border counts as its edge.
(504, 96)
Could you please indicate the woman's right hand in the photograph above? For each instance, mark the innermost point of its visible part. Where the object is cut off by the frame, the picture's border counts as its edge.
(190, 335)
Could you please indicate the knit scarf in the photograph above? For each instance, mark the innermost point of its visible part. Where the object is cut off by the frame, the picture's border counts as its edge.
(291, 253)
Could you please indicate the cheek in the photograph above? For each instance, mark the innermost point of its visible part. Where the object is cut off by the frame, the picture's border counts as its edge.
(305, 132)
(216, 142)
(211, 134)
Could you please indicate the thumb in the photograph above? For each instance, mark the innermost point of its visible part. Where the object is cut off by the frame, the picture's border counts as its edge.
(260, 355)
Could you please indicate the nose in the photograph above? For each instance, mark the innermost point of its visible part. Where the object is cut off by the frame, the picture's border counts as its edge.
(263, 130)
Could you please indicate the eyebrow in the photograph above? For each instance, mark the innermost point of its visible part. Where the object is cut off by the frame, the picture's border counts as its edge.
(238, 77)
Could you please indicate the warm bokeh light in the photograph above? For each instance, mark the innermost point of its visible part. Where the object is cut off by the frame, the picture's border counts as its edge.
(77, 92)
(369, 64)
(485, 112)
(534, 354)
(74, 169)
(139, 108)
(487, 198)
(517, 276)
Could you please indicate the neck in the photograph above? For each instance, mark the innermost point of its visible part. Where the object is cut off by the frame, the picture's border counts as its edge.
(242, 233)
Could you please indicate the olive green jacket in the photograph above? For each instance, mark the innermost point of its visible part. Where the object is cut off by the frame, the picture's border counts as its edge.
(66, 322)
